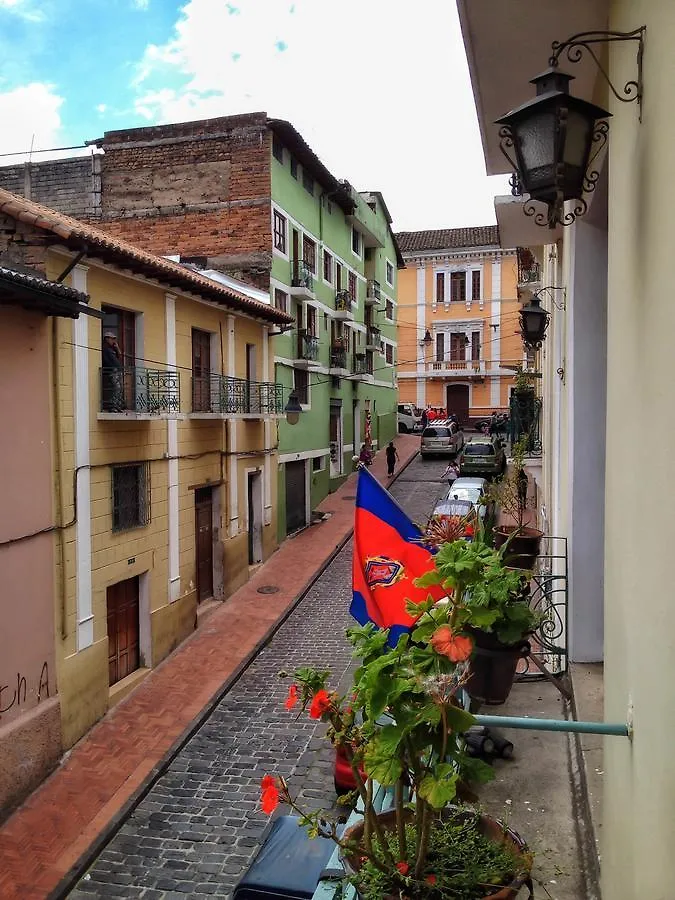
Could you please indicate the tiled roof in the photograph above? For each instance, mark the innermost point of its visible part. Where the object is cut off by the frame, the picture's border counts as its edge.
(96, 243)
(448, 239)
(37, 283)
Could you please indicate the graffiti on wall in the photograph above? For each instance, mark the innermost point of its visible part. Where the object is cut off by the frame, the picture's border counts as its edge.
(23, 691)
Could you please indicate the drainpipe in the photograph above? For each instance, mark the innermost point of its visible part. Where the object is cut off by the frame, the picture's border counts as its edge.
(58, 459)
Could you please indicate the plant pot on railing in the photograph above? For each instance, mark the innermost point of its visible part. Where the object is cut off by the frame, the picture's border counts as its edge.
(492, 668)
(471, 823)
(524, 544)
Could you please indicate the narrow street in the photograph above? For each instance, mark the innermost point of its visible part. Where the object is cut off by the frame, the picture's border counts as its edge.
(199, 826)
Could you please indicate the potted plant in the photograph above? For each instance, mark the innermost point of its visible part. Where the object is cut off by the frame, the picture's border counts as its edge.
(426, 845)
(520, 543)
(490, 602)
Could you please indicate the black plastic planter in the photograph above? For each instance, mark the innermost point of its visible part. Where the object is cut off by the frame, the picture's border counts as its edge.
(492, 668)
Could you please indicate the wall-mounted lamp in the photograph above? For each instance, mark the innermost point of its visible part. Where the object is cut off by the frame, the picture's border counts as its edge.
(427, 339)
(556, 137)
(533, 323)
(293, 409)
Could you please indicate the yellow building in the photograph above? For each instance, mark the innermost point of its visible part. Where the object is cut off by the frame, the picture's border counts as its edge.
(459, 290)
(165, 453)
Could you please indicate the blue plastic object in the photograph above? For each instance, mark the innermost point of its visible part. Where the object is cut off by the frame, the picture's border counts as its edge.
(288, 865)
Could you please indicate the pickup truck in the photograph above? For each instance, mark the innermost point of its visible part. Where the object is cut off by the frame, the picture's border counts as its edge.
(409, 418)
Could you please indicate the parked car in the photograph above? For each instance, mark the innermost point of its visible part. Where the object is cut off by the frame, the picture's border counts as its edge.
(482, 456)
(441, 438)
(464, 491)
(409, 418)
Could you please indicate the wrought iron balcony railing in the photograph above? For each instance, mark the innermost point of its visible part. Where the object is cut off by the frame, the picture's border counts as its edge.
(338, 357)
(223, 395)
(361, 364)
(140, 390)
(308, 346)
(301, 275)
(373, 334)
(343, 301)
(528, 267)
(525, 421)
(373, 289)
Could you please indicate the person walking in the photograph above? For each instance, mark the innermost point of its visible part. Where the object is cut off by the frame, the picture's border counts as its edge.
(392, 457)
(451, 474)
(425, 419)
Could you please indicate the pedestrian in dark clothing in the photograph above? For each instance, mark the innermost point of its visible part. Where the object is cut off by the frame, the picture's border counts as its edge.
(392, 456)
(425, 419)
(113, 391)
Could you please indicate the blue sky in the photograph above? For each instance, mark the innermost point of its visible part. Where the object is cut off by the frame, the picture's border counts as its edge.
(379, 89)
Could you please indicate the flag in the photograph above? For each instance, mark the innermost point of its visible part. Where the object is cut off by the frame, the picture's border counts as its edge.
(388, 557)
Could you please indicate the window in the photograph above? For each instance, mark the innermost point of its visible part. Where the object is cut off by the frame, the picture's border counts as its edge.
(318, 463)
(301, 385)
(307, 182)
(440, 347)
(457, 286)
(356, 241)
(280, 300)
(353, 288)
(389, 309)
(475, 284)
(472, 449)
(201, 371)
(437, 431)
(294, 167)
(309, 253)
(277, 148)
(311, 320)
(327, 267)
(475, 345)
(338, 277)
(130, 496)
(458, 346)
(389, 353)
(279, 232)
(440, 287)
(390, 273)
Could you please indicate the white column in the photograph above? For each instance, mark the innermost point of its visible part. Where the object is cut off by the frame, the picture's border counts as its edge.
(495, 333)
(83, 593)
(421, 328)
(267, 434)
(172, 446)
(232, 425)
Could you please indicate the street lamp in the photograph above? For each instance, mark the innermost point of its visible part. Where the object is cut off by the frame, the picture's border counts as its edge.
(533, 323)
(427, 339)
(293, 409)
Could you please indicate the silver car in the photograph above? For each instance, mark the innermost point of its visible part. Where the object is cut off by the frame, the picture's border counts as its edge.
(441, 438)
(469, 491)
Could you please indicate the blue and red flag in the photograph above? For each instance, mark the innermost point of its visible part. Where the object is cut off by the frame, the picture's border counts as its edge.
(388, 557)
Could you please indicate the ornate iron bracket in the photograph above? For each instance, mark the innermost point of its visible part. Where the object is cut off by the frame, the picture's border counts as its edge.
(548, 292)
(574, 47)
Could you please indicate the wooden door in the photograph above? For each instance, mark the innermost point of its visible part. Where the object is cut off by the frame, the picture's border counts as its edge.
(458, 402)
(201, 371)
(123, 629)
(204, 542)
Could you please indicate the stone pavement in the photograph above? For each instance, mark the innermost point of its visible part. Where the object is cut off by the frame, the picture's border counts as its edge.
(111, 767)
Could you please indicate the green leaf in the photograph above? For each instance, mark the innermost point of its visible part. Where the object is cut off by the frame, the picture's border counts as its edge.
(380, 758)
(439, 787)
(428, 579)
(459, 719)
(477, 771)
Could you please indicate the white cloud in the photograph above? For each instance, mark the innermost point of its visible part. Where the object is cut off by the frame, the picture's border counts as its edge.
(101, 107)
(141, 4)
(381, 94)
(24, 8)
(33, 110)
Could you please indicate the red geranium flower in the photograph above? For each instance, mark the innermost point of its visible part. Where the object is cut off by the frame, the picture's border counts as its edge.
(320, 704)
(293, 696)
(269, 799)
(468, 531)
(456, 647)
(430, 879)
(403, 868)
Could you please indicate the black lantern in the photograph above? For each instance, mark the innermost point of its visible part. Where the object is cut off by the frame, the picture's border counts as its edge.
(293, 409)
(533, 323)
(554, 138)
(427, 339)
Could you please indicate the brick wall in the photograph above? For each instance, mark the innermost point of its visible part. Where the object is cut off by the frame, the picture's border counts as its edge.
(21, 244)
(70, 186)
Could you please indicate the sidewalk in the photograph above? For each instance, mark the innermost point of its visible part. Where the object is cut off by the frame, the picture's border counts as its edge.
(77, 804)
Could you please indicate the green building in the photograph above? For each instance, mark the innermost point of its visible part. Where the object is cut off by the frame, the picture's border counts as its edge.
(334, 269)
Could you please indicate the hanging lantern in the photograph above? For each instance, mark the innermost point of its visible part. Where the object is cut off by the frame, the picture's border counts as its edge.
(293, 409)
(533, 323)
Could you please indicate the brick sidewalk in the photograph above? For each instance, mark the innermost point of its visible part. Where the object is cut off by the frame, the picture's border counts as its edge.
(46, 836)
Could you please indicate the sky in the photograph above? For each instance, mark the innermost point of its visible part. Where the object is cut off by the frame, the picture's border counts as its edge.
(378, 88)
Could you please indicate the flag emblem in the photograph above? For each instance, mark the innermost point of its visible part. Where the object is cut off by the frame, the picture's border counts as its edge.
(380, 570)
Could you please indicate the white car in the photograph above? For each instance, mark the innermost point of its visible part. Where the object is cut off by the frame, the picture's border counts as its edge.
(409, 418)
(466, 491)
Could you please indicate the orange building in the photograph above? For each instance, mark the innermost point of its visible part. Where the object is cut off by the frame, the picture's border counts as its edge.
(459, 291)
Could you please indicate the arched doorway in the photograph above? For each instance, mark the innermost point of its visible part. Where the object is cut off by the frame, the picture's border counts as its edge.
(458, 402)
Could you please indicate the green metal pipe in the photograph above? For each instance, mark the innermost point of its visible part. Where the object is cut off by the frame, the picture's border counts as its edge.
(554, 725)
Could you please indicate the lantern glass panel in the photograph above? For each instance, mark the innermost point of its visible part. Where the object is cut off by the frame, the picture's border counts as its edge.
(534, 321)
(577, 139)
(536, 139)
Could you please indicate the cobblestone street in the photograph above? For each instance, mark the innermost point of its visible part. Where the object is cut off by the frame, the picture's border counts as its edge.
(199, 826)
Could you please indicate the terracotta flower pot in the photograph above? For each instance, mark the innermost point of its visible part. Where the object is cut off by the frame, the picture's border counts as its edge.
(488, 826)
(523, 549)
(492, 668)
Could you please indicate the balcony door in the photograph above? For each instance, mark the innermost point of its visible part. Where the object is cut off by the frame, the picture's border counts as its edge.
(121, 323)
(458, 347)
(201, 371)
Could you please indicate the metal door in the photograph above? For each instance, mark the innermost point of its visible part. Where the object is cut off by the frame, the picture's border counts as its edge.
(204, 542)
(296, 496)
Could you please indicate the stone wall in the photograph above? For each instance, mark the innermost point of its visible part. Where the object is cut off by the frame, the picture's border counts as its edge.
(70, 186)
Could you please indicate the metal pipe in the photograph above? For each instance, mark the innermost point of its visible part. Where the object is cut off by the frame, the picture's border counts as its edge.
(555, 725)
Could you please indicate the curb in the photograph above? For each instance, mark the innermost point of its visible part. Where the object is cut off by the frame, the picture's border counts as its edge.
(100, 842)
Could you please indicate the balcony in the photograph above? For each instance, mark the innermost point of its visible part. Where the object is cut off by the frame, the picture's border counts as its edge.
(302, 280)
(134, 392)
(373, 296)
(466, 368)
(373, 337)
(308, 350)
(343, 305)
(363, 366)
(215, 396)
(338, 359)
(529, 275)
(525, 421)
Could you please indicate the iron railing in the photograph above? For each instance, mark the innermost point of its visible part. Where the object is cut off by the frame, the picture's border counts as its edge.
(548, 595)
(528, 267)
(301, 275)
(373, 289)
(373, 334)
(223, 395)
(140, 390)
(525, 421)
(361, 364)
(308, 346)
(338, 357)
(343, 301)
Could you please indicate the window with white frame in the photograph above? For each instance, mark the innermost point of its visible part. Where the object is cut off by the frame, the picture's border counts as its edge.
(279, 232)
(389, 309)
(458, 286)
(309, 253)
(327, 267)
(389, 273)
(475, 284)
(389, 354)
(281, 300)
(356, 242)
(301, 385)
(440, 287)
